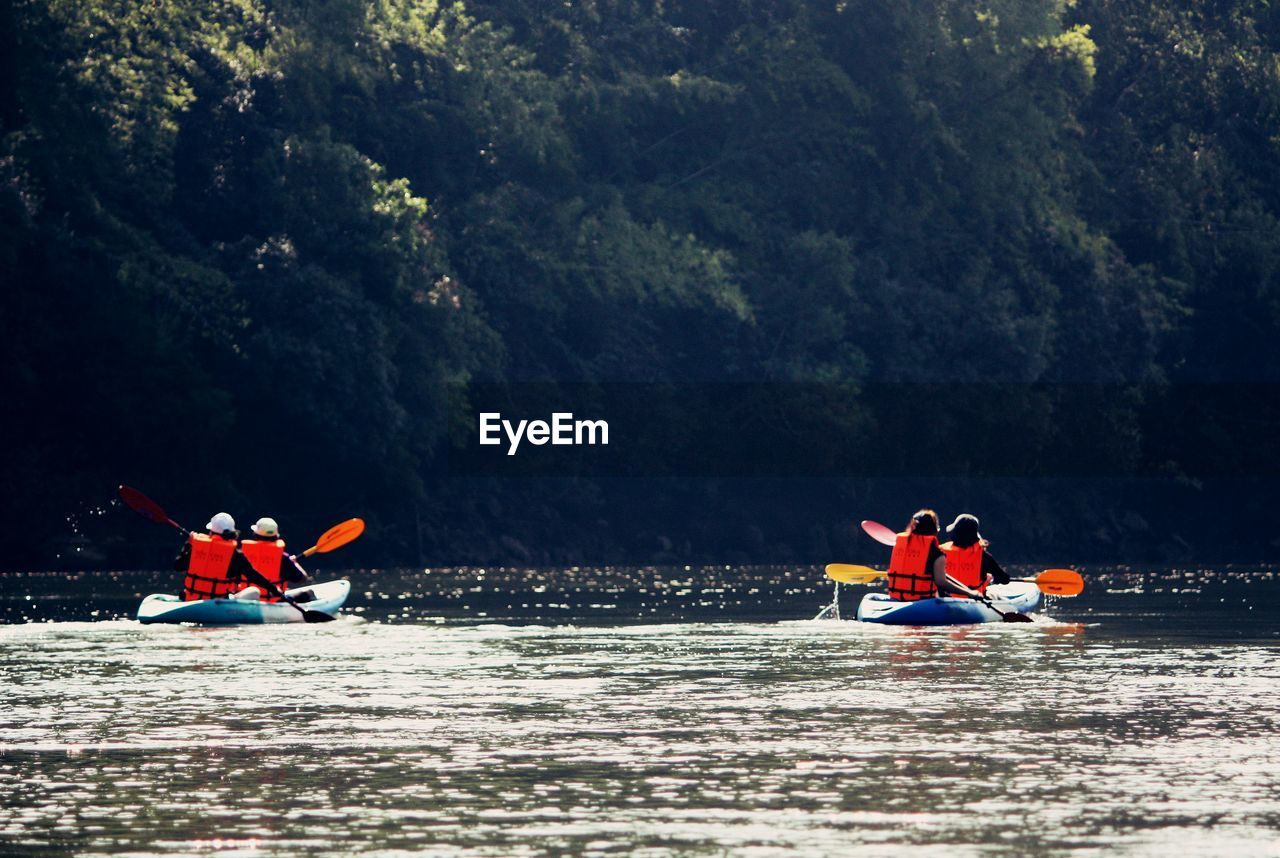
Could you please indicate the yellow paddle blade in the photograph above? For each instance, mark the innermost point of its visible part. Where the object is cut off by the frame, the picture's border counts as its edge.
(847, 573)
(337, 536)
(1060, 582)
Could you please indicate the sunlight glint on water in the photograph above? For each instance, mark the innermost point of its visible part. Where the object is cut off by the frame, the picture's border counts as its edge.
(369, 737)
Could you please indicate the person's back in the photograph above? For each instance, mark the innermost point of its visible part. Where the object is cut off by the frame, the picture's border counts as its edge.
(967, 560)
(265, 551)
(911, 576)
(209, 561)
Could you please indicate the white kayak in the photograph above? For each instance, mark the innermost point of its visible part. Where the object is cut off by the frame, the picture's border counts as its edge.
(1015, 597)
(167, 608)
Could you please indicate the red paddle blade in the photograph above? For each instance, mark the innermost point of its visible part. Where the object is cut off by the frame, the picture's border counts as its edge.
(879, 532)
(1060, 582)
(143, 505)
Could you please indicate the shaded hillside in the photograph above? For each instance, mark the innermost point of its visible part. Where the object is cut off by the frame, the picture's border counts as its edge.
(248, 248)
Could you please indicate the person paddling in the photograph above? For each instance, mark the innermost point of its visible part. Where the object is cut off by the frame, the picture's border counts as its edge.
(266, 552)
(213, 562)
(967, 560)
(912, 574)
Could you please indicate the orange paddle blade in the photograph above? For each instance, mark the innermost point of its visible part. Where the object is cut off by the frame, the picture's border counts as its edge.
(339, 535)
(1060, 582)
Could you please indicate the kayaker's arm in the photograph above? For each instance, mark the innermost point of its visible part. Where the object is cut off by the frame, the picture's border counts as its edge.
(241, 568)
(992, 570)
(293, 573)
(940, 575)
(183, 561)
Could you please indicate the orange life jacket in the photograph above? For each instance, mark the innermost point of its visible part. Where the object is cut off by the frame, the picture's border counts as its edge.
(267, 556)
(207, 570)
(910, 578)
(965, 565)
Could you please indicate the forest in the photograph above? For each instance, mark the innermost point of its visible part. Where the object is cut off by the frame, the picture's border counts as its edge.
(1019, 258)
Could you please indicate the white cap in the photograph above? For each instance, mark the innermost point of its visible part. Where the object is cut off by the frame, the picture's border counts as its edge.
(266, 527)
(221, 523)
(965, 518)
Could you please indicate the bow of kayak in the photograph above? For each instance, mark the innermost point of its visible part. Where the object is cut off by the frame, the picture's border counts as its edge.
(327, 598)
(1018, 596)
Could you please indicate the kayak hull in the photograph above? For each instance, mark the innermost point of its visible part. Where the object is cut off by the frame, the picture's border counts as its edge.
(327, 598)
(1018, 596)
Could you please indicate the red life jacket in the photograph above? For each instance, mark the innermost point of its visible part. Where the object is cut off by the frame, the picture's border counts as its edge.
(207, 570)
(910, 578)
(965, 565)
(267, 556)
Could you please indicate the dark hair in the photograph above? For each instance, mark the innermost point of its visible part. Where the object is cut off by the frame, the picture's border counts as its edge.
(965, 533)
(924, 522)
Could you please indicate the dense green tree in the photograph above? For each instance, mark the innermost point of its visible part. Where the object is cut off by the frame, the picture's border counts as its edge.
(248, 247)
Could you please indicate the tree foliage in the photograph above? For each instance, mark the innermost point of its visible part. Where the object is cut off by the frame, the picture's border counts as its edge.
(248, 245)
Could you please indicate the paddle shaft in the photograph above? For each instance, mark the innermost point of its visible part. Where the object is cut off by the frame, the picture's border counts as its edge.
(256, 577)
(1055, 582)
(1052, 582)
(1010, 617)
(177, 526)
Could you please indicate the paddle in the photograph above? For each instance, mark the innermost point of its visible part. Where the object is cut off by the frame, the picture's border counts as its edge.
(848, 573)
(879, 532)
(1054, 582)
(149, 509)
(146, 507)
(264, 582)
(335, 537)
(1010, 617)
(1058, 582)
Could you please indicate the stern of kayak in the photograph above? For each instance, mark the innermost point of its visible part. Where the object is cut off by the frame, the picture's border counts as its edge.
(1018, 596)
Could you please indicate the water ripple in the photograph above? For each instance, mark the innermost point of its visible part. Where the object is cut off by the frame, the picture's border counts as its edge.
(1097, 732)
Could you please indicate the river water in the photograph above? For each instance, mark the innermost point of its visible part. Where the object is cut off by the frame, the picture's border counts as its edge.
(642, 712)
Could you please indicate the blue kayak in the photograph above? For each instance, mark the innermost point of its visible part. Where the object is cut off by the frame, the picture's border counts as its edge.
(167, 608)
(1019, 596)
